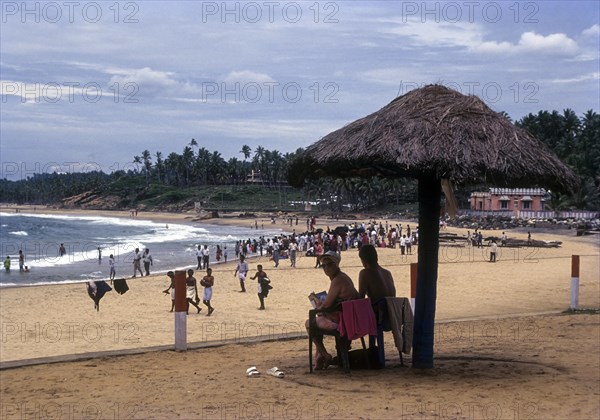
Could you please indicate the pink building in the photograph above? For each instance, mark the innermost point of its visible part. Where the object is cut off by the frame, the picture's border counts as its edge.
(510, 199)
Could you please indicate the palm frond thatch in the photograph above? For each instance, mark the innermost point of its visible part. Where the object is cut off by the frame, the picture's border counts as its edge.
(435, 131)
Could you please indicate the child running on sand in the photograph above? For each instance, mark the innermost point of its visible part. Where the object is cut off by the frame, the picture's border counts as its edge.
(208, 282)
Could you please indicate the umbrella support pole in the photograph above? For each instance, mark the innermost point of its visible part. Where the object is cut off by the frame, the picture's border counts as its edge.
(429, 193)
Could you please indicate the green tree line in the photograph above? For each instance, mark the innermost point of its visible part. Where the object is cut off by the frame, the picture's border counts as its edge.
(575, 140)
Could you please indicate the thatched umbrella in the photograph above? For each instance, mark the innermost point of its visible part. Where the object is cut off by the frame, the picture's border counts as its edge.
(433, 134)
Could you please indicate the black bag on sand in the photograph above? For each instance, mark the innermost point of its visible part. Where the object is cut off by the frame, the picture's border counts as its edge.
(358, 361)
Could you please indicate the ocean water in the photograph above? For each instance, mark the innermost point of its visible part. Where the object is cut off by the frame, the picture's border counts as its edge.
(172, 246)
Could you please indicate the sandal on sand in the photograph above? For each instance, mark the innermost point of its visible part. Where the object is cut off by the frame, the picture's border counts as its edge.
(252, 371)
(274, 371)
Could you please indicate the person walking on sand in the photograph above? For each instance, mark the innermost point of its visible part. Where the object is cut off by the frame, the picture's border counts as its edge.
(7, 264)
(137, 265)
(263, 285)
(225, 253)
(241, 270)
(276, 252)
(318, 253)
(493, 250)
(147, 261)
(111, 264)
(171, 288)
(191, 292)
(208, 282)
(293, 249)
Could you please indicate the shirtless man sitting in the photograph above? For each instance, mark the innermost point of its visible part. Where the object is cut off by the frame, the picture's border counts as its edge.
(341, 288)
(374, 281)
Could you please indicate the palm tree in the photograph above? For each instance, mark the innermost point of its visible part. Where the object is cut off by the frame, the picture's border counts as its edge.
(234, 170)
(172, 165)
(138, 161)
(159, 165)
(147, 158)
(187, 158)
(216, 167)
(246, 153)
(202, 165)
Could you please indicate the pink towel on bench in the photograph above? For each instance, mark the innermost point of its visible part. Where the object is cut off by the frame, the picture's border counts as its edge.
(357, 319)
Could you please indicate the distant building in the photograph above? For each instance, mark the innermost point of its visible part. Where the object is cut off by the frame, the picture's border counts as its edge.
(510, 199)
(254, 178)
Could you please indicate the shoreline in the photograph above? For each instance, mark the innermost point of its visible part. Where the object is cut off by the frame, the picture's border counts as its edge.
(465, 254)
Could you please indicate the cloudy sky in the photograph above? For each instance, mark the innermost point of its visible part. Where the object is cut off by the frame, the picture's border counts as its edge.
(88, 85)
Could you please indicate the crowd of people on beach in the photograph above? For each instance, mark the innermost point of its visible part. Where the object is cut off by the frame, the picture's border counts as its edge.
(316, 243)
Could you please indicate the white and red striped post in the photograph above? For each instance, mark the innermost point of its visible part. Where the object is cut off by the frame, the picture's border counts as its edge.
(413, 285)
(180, 311)
(574, 282)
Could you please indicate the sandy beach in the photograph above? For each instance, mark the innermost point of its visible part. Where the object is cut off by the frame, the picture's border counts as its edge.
(502, 345)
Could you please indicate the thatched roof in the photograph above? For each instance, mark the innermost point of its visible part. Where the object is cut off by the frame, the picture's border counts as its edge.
(435, 131)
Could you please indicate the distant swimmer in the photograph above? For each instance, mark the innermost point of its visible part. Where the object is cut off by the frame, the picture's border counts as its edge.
(61, 250)
(7, 264)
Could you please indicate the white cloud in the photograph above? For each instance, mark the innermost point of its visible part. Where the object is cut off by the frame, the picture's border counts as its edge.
(145, 76)
(553, 43)
(298, 130)
(592, 31)
(247, 76)
(149, 82)
(430, 33)
(472, 36)
(583, 78)
(532, 42)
